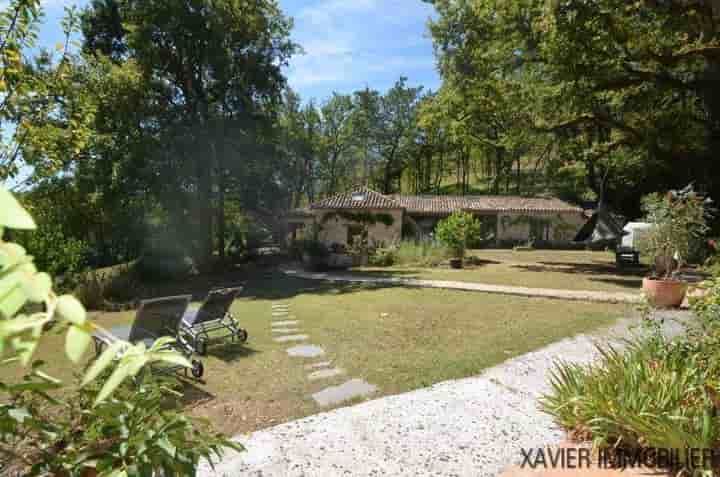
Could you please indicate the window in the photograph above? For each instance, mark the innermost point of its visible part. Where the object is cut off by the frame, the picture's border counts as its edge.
(358, 197)
(539, 229)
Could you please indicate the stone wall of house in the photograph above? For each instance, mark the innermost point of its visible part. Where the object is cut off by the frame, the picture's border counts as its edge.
(512, 227)
(568, 226)
(298, 228)
(561, 227)
(335, 230)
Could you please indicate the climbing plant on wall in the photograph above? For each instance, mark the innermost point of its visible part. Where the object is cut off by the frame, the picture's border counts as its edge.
(365, 218)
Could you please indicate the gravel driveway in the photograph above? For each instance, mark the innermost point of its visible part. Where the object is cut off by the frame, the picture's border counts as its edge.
(469, 427)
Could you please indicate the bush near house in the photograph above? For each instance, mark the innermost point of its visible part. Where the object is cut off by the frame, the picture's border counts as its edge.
(457, 231)
(657, 393)
(410, 252)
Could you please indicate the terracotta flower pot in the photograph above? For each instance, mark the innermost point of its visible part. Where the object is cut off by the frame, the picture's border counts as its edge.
(664, 293)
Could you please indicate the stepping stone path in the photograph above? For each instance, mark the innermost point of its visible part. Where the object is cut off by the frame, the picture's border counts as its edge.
(286, 339)
(321, 364)
(325, 374)
(287, 330)
(349, 390)
(281, 324)
(305, 351)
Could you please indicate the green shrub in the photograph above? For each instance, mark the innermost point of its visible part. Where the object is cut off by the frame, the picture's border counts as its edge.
(164, 261)
(657, 393)
(420, 253)
(139, 430)
(105, 425)
(384, 257)
(53, 250)
(314, 248)
(654, 394)
(712, 260)
(456, 231)
(707, 306)
(244, 236)
(679, 220)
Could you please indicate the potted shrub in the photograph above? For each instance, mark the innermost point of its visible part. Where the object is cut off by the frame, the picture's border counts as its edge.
(678, 219)
(455, 232)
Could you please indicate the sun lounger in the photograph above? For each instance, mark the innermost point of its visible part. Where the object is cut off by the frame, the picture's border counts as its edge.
(154, 319)
(212, 321)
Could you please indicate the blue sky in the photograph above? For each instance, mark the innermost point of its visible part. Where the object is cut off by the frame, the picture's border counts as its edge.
(349, 44)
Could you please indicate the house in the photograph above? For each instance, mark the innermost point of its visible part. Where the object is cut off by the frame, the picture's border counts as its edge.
(346, 217)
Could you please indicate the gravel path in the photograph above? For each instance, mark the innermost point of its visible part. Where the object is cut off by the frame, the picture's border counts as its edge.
(469, 427)
(577, 295)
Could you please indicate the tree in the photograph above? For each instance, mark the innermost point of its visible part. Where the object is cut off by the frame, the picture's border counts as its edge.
(625, 90)
(34, 92)
(395, 132)
(215, 70)
(300, 131)
(364, 120)
(336, 142)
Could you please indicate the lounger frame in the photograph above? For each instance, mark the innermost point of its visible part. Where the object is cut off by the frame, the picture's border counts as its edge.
(214, 321)
(151, 323)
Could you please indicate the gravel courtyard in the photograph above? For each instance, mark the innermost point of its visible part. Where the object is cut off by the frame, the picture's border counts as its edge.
(469, 427)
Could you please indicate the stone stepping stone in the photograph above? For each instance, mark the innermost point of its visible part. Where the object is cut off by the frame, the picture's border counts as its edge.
(280, 313)
(287, 331)
(289, 338)
(349, 390)
(305, 351)
(282, 324)
(280, 307)
(321, 364)
(325, 374)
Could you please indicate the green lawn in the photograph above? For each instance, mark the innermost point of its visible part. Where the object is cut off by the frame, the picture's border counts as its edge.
(396, 338)
(568, 270)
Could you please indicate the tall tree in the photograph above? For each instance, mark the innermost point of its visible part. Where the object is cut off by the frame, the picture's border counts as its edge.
(395, 133)
(337, 141)
(627, 90)
(213, 66)
(363, 122)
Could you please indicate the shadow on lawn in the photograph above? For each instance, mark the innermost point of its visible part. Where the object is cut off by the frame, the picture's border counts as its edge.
(279, 286)
(192, 394)
(596, 268)
(259, 282)
(230, 352)
(475, 261)
(630, 283)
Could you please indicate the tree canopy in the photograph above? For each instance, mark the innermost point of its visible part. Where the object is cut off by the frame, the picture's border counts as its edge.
(626, 90)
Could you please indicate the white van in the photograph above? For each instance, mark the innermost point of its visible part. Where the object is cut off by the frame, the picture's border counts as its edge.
(634, 233)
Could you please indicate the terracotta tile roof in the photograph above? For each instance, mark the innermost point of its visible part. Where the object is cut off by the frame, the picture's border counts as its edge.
(360, 198)
(445, 205)
(363, 198)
